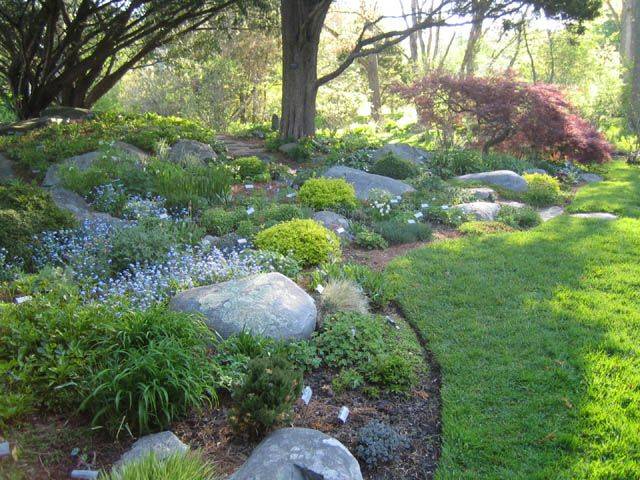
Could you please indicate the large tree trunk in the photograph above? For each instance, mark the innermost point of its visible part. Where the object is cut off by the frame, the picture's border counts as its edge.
(302, 22)
(468, 66)
(630, 52)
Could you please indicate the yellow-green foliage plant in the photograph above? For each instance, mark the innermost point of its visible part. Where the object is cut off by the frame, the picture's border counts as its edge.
(322, 193)
(305, 240)
(543, 190)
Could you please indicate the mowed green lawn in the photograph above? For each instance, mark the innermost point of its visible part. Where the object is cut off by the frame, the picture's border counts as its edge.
(619, 193)
(538, 337)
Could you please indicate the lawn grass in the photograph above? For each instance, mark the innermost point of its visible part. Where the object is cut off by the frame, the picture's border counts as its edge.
(619, 193)
(538, 338)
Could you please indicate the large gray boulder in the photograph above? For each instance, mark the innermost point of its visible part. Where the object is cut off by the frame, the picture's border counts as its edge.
(267, 304)
(501, 178)
(162, 445)
(68, 200)
(183, 150)
(299, 454)
(364, 183)
(483, 211)
(335, 222)
(403, 151)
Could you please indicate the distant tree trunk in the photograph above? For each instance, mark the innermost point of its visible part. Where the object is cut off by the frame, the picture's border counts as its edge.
(468, 66)
(630, 52)
(370, 66)
(302, 22)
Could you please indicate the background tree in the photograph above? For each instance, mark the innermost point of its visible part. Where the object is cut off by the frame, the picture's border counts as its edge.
(73, 52)
(302, 22)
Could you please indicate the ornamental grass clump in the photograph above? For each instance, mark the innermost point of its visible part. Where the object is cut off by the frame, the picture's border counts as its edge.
(305, 240)
(327, 193)
(190, 466)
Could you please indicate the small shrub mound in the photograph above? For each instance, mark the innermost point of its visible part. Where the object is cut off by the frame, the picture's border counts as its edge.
(394, 167)
(307, 241)
(322, 193)
(266, 397)
(544, 190)
(219, 221)
(521, 218)
(368, 345)
(379, 443)
(396, 232)
(188, 466)
(25, 211)
(368, 239)
(251, 168)
(484, 228)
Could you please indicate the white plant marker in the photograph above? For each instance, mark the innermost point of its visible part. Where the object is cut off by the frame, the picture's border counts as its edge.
(445, 207)
(419, 215)
(85, 474)
(242, 241)
(425, 205)
(21, 300)
(291, 195)
(306, 395)
(411, 221)
(320, 289)
(5, 449)
(394, 200)
(344, 414)
(340, 231)
(249, 186)
(251, 211)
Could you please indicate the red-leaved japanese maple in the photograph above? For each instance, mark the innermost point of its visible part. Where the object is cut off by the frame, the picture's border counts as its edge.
(508, 114)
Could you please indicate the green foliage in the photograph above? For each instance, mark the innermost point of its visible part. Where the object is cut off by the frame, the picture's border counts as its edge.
(347, 379)
(484, 228)
(366, 238)
(394, 167)
(39, 148)
(266, 397)
(143, 243)
(521, 218)
(251, 168)
(26, 210)
(397, 232)
(219, 221)
(367, 346)
(450, 163)
(305, 240)
(284, 264)
(181, 466)
(543, 190)
(323, 193)
(132, 370)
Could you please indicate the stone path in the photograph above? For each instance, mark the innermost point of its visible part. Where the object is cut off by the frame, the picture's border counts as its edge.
(243, 147)
(550, 213)
(598, 215)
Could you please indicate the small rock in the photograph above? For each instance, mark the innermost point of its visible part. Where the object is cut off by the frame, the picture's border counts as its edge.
(482, 193)
(299, 454)
(162, 445)
(132, 150)
(484, 211)
(335, 222)
(590, 178)
(536, 170)
(596, 215)
(403, 151)
(364, 183)
(81, 162)
(268, 304)
(182, 150)
(550, 213)
(512, 204)
(501, 178)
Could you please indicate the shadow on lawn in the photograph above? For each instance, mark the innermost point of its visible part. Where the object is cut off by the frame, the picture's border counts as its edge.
(537, 337)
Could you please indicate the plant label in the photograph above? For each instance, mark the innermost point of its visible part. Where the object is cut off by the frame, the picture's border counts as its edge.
(411, 221)
(320, 289)
(340, 230)
(21, 300)
(251, 211)
(249, 186)
(394, 201)
(343, 414)
(424, 205)
(306, 395)
(291, 195)
(5, 449)
(419, 215)
(242, 241)
(445, 207)
(85, 474)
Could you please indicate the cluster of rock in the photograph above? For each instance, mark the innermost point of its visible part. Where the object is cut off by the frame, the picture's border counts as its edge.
(291, 453)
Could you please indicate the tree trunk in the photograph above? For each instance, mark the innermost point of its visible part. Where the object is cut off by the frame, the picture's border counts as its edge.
(370, 65)
(302, 22)
(630, 52)
(468, 66)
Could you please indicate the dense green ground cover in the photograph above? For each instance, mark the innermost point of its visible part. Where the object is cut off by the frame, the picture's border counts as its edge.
(619, 193)
(538, 337)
